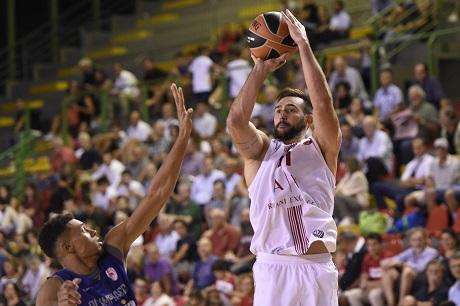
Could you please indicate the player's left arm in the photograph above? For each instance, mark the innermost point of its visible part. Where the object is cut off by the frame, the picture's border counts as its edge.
(326, 124)
(123, 235)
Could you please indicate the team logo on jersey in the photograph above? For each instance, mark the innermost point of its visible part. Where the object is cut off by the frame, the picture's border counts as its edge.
(112, 274)
(318, 233)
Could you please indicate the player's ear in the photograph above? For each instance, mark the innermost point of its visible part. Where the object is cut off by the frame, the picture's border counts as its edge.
(65, 246)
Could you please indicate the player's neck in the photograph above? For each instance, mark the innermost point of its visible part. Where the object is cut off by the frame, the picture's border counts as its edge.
(80, 266)
(294, 139)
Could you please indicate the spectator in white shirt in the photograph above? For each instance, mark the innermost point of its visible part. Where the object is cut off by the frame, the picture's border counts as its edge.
(166, 239)
(138, 129)
(131, 189)
(343, 73)
(203, 184)
(232, 178)
(34, 276)
(388, 97)
(126, 87)
(201, 69)
(110, 168)
(102, 194)
(413, 177)
(238, 70)
(341, 20)
(375, 143)
(454, 291)
(204, 123)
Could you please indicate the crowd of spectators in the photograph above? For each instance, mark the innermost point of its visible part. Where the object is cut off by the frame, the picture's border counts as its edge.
(396, 202)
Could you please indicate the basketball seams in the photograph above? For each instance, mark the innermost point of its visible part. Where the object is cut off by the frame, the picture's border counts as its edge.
(268, 28)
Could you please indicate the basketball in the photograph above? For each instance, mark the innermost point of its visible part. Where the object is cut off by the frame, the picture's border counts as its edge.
(269, 36)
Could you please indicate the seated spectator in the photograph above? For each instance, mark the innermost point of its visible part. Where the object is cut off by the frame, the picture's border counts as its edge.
(380, 5)
(454, 291)
(12, 295)
(182, 207)
(340, 23)
(225, 281)
(405, 130)
(350, 143)
(157, 269)
(151, 73)
(406, 266)
(375, 143)
(344, 73)
(218, 200)
(158, 297)
(14, 219)
(355, 116)
(141, 290)
(111, 168)
(443, 180)
(351, 193)
(450, 129)
(232, 177)
(138, 129)
(370, 285)
(430, 84)
(102, 195)
(432, 290)
(203, 275)
(167, 237)
(449, 246)
(424, 113)
(131, 189)
(186, 253)
(413, 177)
(355, 249)
(88, 157)
(244, 293)
(203, 184)
(388, 97)
(264, 110)
(238, 69)
(125, 87)
(223, 236)
(342, 97)
(309, 15)
(204, 123)
(34, 276)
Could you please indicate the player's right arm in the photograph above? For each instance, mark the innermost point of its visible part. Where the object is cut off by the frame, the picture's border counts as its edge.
(250, 142)
(53, 292)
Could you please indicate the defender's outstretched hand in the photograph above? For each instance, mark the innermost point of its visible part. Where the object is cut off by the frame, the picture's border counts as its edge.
(296, 29)
(184, 115)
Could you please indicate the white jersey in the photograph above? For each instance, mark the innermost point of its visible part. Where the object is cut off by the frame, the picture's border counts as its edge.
(292, 200)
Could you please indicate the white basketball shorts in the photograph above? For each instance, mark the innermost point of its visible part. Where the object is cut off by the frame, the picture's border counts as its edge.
(310, 280)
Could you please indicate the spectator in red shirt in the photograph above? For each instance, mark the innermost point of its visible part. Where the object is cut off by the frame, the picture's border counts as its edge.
(370, 288)
(224, 237)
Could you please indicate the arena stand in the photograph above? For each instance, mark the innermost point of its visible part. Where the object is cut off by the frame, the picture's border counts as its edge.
(85, 134)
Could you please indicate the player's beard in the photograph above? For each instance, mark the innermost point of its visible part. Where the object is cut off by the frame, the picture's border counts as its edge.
(290, 133)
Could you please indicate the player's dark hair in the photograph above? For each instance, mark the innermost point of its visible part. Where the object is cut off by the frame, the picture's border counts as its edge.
(51, 232)
(374, 236)
(293, 92)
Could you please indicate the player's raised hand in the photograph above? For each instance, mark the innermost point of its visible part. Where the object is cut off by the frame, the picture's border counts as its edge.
(184, 115)
(270, 65)
(296, 29)
(68, 293)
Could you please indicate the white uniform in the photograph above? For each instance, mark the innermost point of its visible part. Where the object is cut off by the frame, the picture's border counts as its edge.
(292, 200)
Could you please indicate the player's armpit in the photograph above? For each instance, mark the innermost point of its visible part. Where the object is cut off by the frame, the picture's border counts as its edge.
(116, 239)
(47, 295)
(250, 142)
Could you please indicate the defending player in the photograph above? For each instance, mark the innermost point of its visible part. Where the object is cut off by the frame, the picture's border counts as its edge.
(94, 271)
(291, 183)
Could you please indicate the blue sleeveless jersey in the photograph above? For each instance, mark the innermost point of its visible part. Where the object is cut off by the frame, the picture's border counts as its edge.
(108, 285)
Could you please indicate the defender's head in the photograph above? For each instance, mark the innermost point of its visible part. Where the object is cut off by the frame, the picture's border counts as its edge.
(293, 114)
(64, 237)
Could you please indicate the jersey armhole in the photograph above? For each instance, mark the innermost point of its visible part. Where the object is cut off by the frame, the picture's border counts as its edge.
(318, 150)
(115, 252)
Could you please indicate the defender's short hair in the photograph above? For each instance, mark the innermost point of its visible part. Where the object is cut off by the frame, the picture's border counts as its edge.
(51, 232)
(293, 92)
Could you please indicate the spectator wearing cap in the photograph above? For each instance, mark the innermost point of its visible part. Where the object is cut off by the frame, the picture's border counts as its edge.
(413, 177)
(454, 291)
(411, 261)
(203, 184)
(430, 84)
(370, 285)
(344, 73)
(443, 179)
(388, 97)
(375, 143)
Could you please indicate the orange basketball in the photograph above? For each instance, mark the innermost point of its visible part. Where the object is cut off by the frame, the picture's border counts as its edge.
(269, 36)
